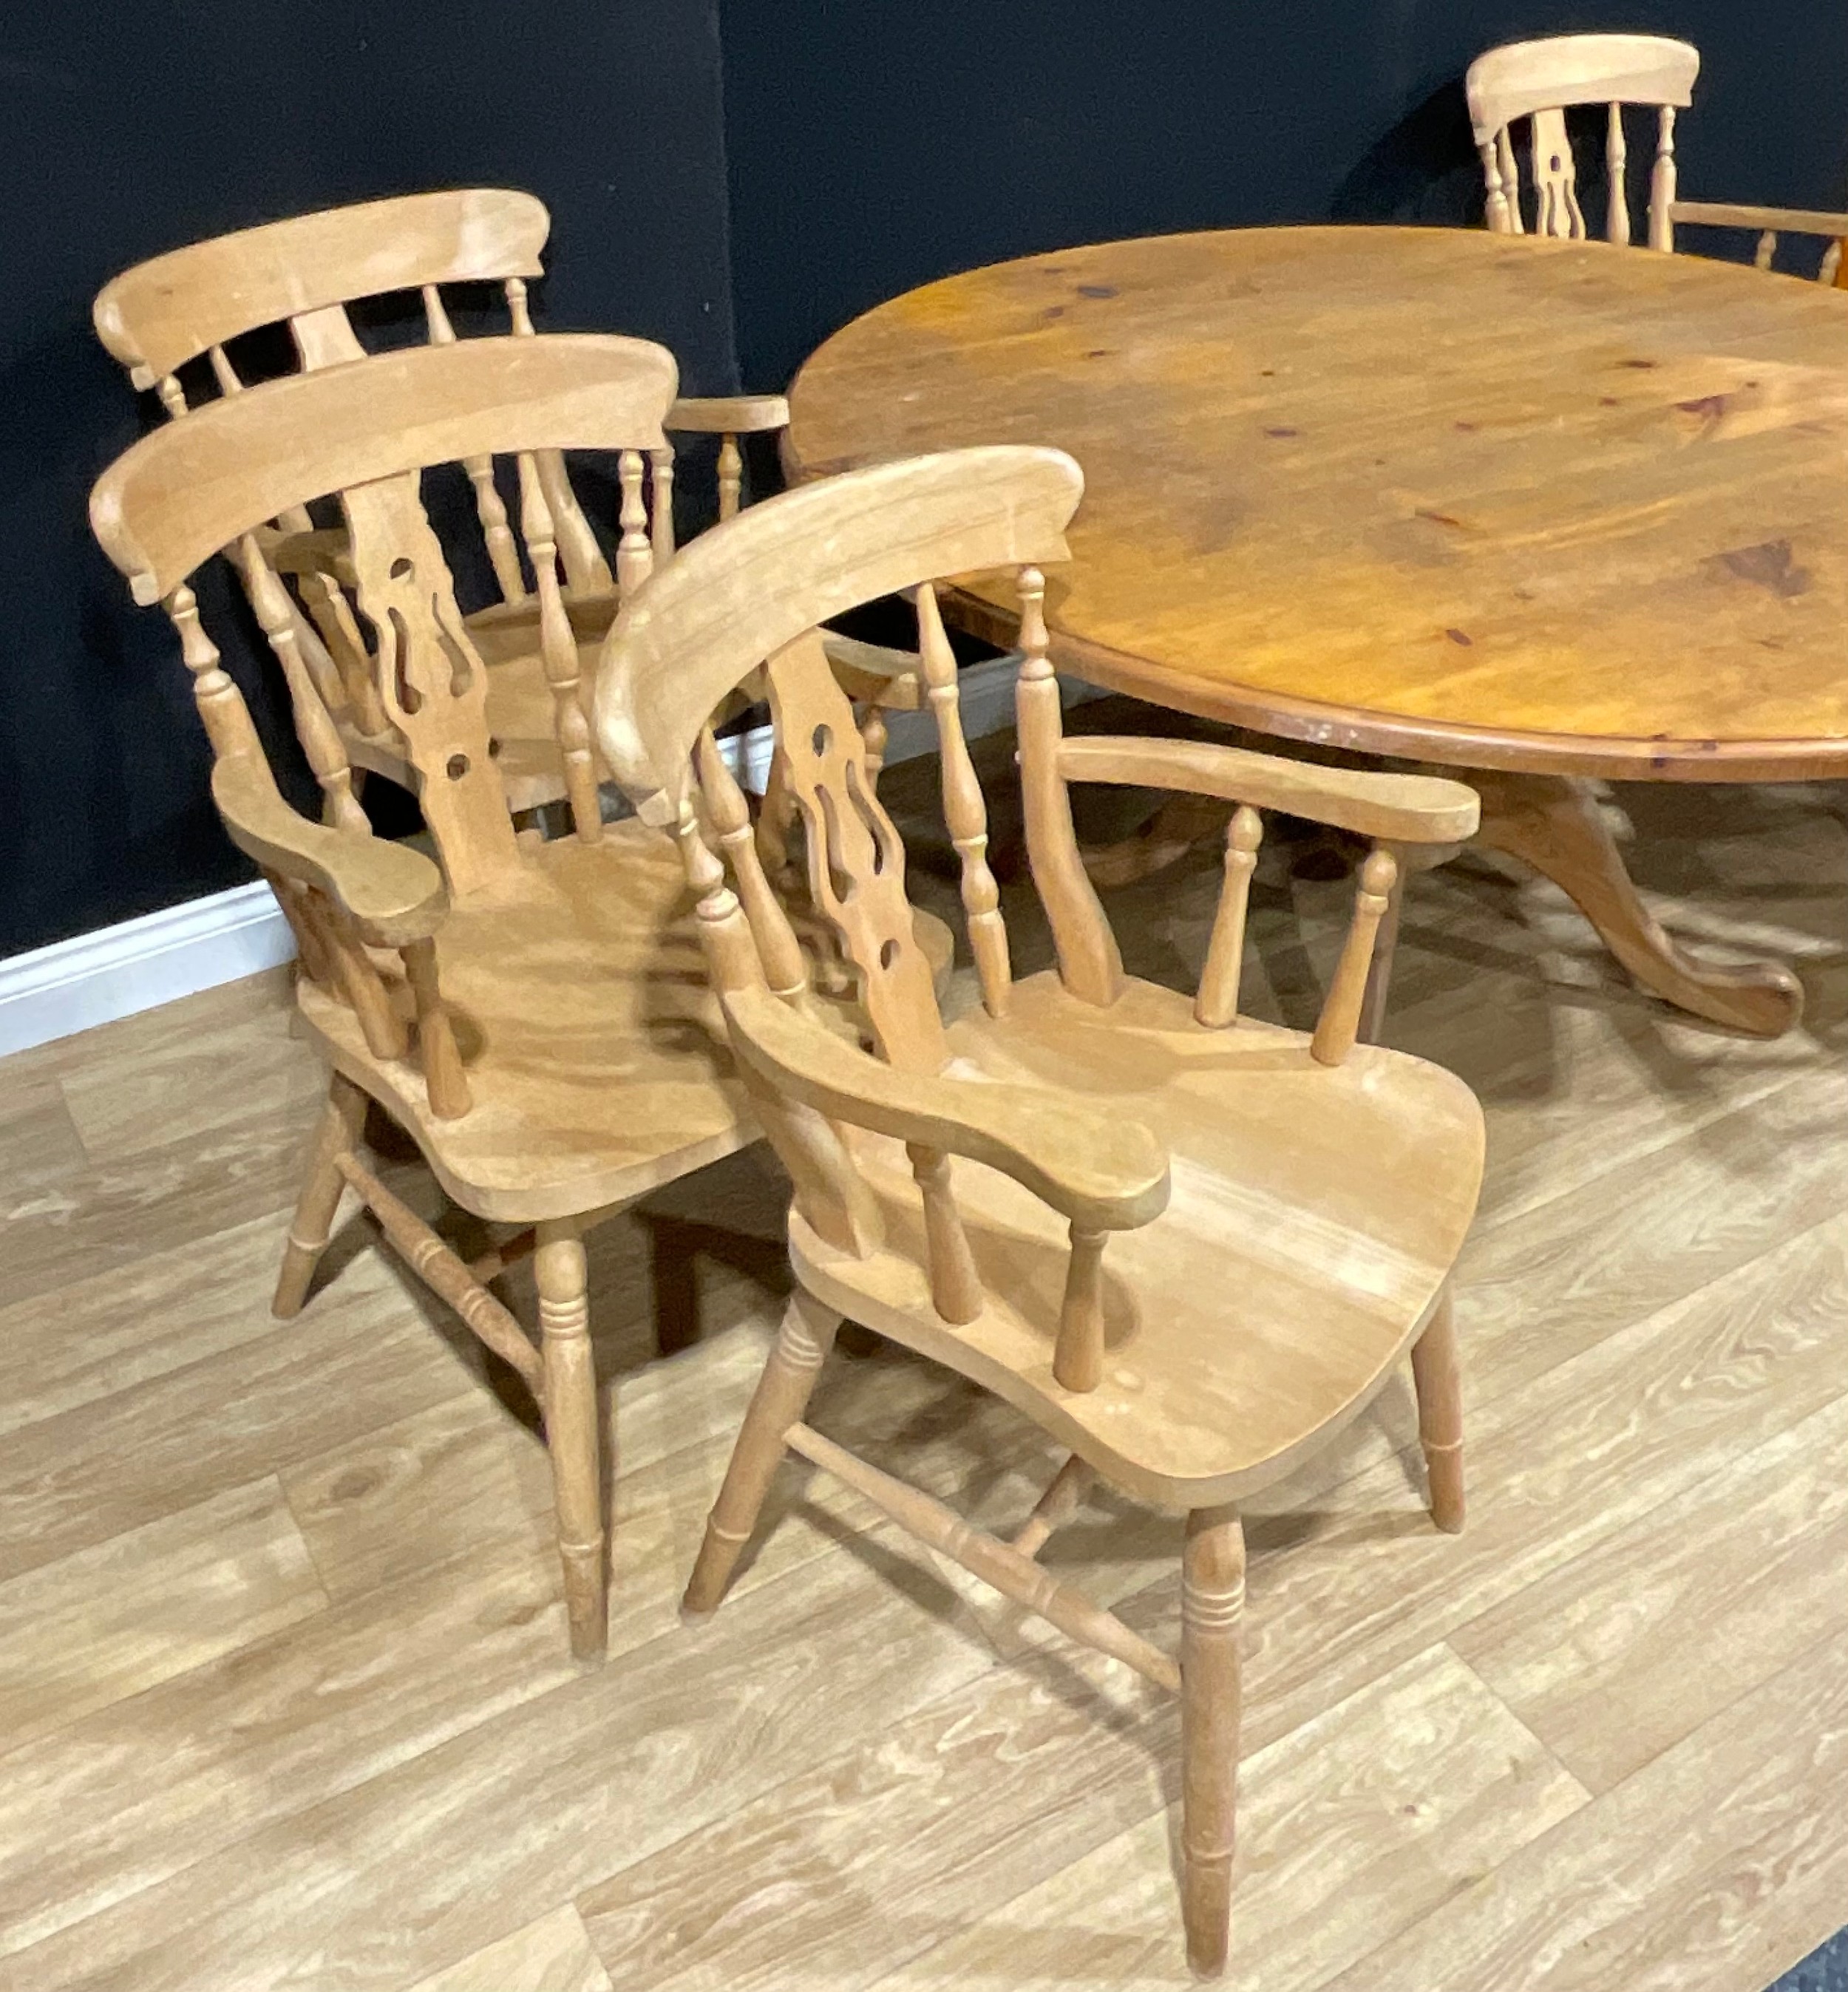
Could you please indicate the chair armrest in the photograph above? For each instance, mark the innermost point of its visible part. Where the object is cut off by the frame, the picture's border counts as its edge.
(1402, 809)
(397, 895)
(1779, 220)
(729, 415)
(887, 678)
(1101, 1171)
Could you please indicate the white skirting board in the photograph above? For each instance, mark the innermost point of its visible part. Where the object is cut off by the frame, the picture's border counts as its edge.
(97, 977)
(143, 963)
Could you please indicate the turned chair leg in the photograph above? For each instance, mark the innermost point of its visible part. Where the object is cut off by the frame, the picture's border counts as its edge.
(1212, 1599)
(1439, 1384)
(781, 1397)
(571, 1433)
(341, 1124)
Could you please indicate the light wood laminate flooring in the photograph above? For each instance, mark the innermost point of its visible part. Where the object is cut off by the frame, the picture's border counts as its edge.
(284, 1699)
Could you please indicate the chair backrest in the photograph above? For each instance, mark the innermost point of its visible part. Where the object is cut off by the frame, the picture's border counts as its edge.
(1539, 81)
(752, 592)
(304, 272)
(364, 433)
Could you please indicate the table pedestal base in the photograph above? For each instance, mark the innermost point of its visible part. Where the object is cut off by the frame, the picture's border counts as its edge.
(1555, 825)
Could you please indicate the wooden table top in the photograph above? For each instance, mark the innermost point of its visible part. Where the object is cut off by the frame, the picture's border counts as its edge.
(1494, 502)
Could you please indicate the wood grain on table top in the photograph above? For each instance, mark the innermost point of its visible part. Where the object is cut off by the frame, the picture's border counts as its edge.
(1498, 501)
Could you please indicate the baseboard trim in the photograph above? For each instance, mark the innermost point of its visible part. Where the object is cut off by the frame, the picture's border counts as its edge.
(97, 978)
(139, 964)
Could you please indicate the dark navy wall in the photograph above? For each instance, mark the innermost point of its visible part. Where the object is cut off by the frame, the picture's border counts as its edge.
(873, 147)
(128, 128)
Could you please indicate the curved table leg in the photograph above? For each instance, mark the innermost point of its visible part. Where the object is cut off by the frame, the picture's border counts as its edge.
(1555, 825)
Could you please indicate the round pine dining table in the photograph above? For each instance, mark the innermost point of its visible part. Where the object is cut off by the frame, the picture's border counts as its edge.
(1537, 512)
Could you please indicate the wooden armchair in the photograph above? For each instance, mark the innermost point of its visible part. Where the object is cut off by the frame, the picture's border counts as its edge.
(176, 308)
(1541, 81)
(533, 1013)
(1190, 1247)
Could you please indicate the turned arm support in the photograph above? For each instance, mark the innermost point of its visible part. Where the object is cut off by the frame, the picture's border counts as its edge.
(1400, 809)
(1100, 1171)
(396, 894)
(393, 896)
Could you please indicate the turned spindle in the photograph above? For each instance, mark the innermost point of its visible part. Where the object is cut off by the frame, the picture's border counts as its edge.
(1497, 210)
(1338, 1025)
(558, 649)
(730, 477)
(1617, 208)
(1661, 183)
(319, 736)
(778, 949)
(635, 552)
(1088, 964)
(964, 808)
(1078, 1357)
(503, 554)
(956, 1287)
(437, 1051)
(1217, 1002)
(660, 502)
(1510, 177)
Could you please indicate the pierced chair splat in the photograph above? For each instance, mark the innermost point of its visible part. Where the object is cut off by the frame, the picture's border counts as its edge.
(1188, 1246)
(531, 1013)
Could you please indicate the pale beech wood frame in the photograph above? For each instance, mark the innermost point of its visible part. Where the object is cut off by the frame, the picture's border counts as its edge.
(942, 1177)
(449, 992)
(1539, 80)
(190, 303)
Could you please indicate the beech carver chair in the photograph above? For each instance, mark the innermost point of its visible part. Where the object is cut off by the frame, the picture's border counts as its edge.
(532, 1013)
(1539, 81)
(1187, 1245)
(191, 303)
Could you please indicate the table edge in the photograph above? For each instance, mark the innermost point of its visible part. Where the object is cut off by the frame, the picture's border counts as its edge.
(1355, 729)
(1400, 736)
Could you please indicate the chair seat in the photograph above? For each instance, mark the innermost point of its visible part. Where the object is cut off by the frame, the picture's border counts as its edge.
(594, 1052)
(1336, 1198)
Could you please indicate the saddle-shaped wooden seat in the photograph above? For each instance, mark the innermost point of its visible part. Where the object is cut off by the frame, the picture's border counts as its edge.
(1263, 1202)
(583, 987)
